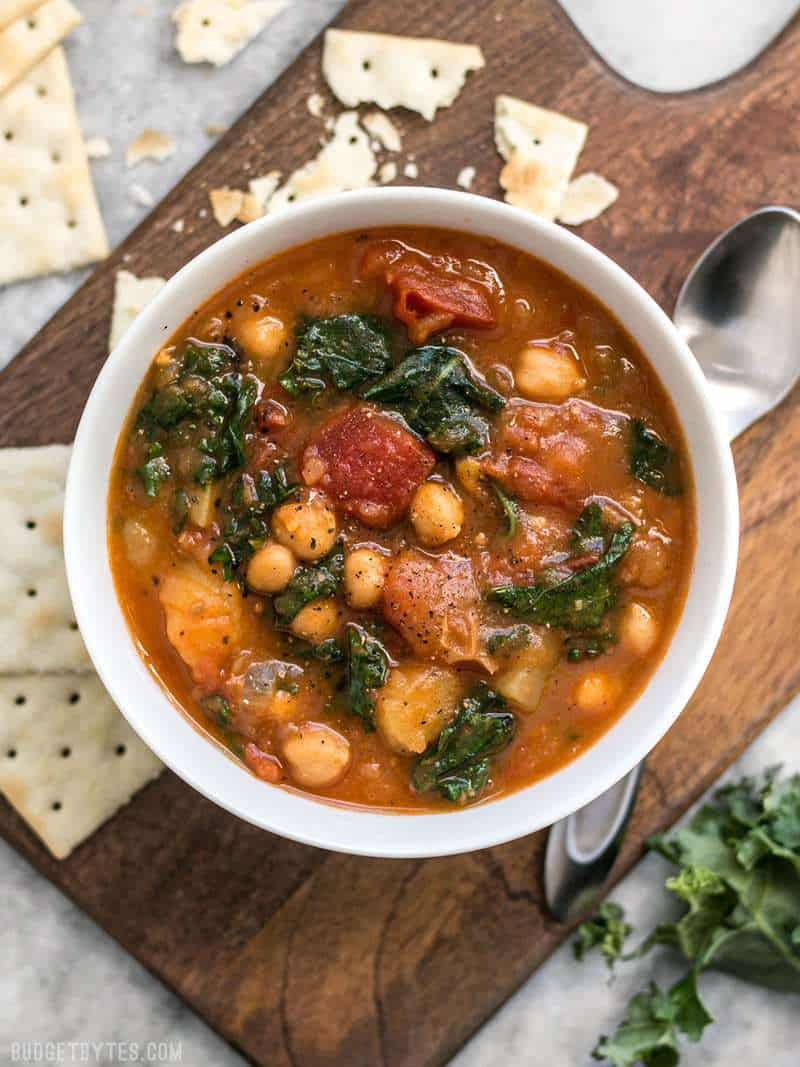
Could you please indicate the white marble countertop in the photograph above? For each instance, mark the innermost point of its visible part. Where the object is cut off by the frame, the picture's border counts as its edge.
(61, 978)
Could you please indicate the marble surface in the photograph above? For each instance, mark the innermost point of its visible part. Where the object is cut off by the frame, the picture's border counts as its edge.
(62, 979)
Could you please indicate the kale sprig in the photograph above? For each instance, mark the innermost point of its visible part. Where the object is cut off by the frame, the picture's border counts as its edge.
(738, 878)
(653, 462)
(367, 670)
(441, 396)
(313, 581)
(345, 351)
(458, 765)
(576, 602)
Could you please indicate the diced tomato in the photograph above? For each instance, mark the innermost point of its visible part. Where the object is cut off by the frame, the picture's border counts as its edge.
(530, 481)
(270, 415)
(263, 766)
(433, 602)
(368, 463)
(428, 298)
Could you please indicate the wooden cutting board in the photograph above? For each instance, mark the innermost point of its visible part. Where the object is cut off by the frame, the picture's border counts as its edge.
(304, 958)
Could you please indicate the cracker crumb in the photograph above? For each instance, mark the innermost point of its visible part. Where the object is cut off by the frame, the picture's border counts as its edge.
(97, 148)
(150, 144)
(226, 203)
(141, 196)
(315, 104)
(466, 176)
(215, 131)
(411, 170)
(387, 172)
(177, 226)
(380, 126)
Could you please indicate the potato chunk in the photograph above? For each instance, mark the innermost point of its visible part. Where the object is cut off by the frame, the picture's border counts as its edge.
(203, 618)
(523, 680)
(415, 705)
(317, 756)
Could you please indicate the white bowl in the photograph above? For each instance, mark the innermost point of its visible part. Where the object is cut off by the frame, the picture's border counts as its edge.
(206, 766)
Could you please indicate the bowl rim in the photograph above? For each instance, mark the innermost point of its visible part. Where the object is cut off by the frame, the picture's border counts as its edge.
(183, 747)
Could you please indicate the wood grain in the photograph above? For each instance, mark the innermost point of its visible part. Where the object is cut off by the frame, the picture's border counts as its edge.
(307, 959)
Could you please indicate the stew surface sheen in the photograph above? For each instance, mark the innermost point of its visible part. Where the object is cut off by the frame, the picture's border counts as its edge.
(402, 518)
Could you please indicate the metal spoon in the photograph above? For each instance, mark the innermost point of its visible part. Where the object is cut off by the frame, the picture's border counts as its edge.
(739, 311)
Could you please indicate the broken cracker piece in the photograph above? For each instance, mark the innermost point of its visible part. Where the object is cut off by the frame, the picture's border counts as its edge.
(418, 73)
(131, 295)
(214, 31)
(150, 144)
(345, 162)
(51, 221)
(141, 196)
(541, 149)
(226, 204)
(11, 10)
(587, 197)
(315, 104)
(381, 127)
(26, 42)
(75, 760)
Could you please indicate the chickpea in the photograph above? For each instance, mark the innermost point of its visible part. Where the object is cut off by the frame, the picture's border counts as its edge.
(646, 562)
(468, 472)
(271, 568)
(547, 374)
(263, 339)
(317, 756)
(594, 692)
(317, 621)
(364, 575)
(437, 513)
(308, 528)
(638, 628)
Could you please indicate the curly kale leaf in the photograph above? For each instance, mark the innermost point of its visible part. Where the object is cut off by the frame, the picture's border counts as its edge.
(607, 930)
(458, 765)
(155, 471)
(246, 522)
(311, 582)
(509, 507)
(579, 601)
(653, 462)
(441, 396)
(346, 350)
(367, 670)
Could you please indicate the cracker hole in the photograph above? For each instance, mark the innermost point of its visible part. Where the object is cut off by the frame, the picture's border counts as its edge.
(23, 201)
(366, 65)
(9, 135)
(56, 805)
(31, 24)
(12, 753)
(72, 224)
(537, 140)
(20, 699)
(30, 524)
(74, 697)
(41, 90)
(73, 625)
(291, 198)
(354, 139)
(434, 72)
(56, 157)
(66, 751)
(205, 22)
(31, 592)
(120, 750)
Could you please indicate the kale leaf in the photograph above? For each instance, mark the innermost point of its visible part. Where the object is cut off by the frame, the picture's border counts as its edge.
(367, 670)
(606, 930)
(440, 395)
(311, 582)
(650, 1031)
(207, 403)
(653, 461)
(217, 708)
(458, 764)
(155, 471)
(246, 523)
(346, 350)
(578, 601)
(509, 507)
